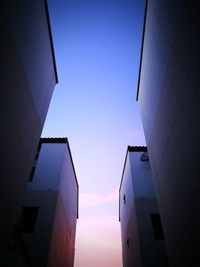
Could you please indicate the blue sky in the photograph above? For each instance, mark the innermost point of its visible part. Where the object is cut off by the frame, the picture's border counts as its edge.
(97, 48)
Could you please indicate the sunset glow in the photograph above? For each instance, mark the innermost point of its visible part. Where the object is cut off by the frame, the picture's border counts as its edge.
(97, 48)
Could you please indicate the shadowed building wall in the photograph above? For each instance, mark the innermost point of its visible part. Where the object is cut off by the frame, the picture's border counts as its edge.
(141, 230)
(52, 194)
(27, 79)
(169, 101)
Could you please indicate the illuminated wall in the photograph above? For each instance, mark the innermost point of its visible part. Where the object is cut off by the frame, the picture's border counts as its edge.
(169, 100)
(142, 236)
(53, 190)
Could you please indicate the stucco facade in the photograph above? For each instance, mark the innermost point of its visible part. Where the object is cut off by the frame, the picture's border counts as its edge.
(49, 236)
(142, 237)
(169, 101)
(27, 78)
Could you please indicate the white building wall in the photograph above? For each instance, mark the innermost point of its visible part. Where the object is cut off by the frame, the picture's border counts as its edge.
(139, 245)
(38, 243)
(27, 79)
(54, 190)
(169, 102)
(126, 198)
(143, 184)
(131, 254)
(31, 36)
(48, 167)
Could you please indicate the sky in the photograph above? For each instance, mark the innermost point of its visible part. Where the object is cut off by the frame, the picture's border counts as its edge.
(97, 48)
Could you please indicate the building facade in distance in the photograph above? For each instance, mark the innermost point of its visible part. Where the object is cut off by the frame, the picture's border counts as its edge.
(141, 229)
(169, 101)
(27, 78)
(47, 227)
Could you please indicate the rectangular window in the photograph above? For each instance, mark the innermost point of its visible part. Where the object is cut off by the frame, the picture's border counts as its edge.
(29, 217)
(35, 162)
(32, 174)
(157, 226)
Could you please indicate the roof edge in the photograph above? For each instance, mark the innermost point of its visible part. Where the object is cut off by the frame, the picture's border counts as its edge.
(51, 39)
(53, 140)
(137, 148)
(142, 48)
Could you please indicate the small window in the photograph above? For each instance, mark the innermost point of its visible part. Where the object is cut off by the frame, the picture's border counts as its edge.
(37, 154)
(35, 162)
(127, 242)
(124, 198)
(32, 174)
(28, 220)
(38, 151)
(157, 226)
(144, 156)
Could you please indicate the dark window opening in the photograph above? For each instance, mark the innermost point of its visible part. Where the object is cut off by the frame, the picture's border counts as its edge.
(38, 151)
(35, 162)
(157, 226)
(32, 174)
(144, 156)
(127, 242)
(124, 198)
(28, 220)
(37, 155)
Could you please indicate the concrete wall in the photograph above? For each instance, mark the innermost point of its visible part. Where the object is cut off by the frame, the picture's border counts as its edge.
(153, 250)
(62, 245)
(49, 167)
(143, 183)
(139, 245)
(27, 78)
(131, 253)
(38, 243)
(169, 101)
(53, 240)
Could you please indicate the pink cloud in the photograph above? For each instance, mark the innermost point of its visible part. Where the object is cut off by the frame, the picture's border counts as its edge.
(99, 241)
(94, 199)
(98, 236)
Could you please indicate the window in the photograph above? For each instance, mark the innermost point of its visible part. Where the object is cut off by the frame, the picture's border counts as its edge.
(31, 174)
(144, 156)
(157, 226)
(127, 242)
(34, 164)
(28, 220)
(124, 198)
